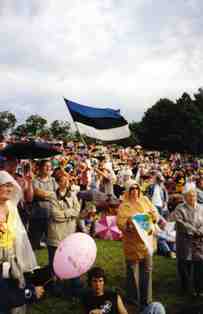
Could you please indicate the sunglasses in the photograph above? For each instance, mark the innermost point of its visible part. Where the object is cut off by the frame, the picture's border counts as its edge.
(134, 188)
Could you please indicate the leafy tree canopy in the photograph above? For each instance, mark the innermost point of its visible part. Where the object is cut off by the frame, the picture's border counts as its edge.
(174, 126)
(60, 129)
(35, 124)
(7, 121)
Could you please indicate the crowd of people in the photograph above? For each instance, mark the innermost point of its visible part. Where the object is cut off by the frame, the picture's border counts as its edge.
(44, 201)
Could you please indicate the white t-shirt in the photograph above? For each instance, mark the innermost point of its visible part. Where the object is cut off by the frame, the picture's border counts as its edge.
(156, 198)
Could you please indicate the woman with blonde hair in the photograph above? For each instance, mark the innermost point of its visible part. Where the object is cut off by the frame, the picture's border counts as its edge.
(138, 258)
(16, 254)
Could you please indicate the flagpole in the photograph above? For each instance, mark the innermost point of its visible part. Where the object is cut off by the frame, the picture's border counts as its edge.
(81, 137)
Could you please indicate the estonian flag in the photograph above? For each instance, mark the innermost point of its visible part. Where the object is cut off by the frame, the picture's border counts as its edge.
(103, 124)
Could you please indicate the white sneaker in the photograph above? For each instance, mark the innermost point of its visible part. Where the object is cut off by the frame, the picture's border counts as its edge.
(43, 244)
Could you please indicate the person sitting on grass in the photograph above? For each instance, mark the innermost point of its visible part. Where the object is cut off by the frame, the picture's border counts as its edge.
(166, 236)
(99, 300)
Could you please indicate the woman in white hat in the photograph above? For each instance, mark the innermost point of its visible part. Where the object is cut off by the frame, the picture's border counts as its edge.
(16, 255)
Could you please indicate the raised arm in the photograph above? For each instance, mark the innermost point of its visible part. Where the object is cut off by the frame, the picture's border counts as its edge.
(121, 306)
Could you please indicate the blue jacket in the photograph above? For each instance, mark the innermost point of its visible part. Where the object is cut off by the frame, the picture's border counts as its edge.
(11, 296)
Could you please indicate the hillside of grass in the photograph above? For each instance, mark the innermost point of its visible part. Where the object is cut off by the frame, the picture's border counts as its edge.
(110, 257)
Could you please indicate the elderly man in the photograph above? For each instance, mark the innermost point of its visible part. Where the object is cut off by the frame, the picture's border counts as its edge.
(189, 241)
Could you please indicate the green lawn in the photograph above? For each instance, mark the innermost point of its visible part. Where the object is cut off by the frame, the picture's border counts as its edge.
(110, 257)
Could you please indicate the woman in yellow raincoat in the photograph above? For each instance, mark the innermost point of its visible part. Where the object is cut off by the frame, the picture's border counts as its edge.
(138, 258)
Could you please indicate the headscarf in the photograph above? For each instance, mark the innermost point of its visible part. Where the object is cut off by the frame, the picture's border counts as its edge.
(22, 247)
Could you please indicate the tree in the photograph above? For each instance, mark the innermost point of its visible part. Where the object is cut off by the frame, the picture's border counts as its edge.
(45, 134)
(35, 124)
(156, 125)
(198, 99)
(134, 129)
(190, 124)
(20, 131)
(173, 126)
(7, 121)
(60, 129)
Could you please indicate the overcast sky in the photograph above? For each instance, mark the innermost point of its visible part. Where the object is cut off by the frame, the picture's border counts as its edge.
(123, 54)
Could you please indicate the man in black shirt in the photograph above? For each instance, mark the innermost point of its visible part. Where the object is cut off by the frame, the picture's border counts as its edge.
(97, 300)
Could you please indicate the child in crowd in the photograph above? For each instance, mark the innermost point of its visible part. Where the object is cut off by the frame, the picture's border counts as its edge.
(87, 218)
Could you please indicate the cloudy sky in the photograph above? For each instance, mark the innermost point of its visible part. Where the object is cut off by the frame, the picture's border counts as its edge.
(123, 54)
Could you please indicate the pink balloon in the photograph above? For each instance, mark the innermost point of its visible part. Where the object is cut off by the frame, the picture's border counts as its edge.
(74, 256)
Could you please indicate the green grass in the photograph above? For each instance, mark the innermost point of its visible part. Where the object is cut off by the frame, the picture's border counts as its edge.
(110, 257)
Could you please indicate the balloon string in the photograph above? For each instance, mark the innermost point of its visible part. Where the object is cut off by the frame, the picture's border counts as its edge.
(46, 282)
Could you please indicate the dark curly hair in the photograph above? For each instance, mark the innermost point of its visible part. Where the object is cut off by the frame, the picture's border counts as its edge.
(95, 272)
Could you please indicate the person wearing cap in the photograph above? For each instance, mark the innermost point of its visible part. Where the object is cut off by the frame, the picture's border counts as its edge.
(189, 242)
(138, 258)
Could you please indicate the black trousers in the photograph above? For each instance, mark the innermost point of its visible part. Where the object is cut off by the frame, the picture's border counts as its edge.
(191, 274)
(37, 229)
(198, 276)
(185, 274)
(51, 253)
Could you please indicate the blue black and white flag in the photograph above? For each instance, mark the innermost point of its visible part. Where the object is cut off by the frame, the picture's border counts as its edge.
(103, 124)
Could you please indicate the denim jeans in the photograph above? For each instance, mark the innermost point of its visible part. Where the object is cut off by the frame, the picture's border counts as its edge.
(165, 247)
(154, 308)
